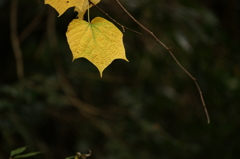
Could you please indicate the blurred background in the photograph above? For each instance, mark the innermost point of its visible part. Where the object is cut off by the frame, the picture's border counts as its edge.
(145, 108)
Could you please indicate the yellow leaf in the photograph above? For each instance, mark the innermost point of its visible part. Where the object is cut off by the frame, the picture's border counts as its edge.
(80, 13)
(83, 6)
(62, 5)
(99, 41)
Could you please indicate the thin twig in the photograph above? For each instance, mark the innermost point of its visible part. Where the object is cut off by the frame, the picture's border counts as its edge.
(175, 59)
(122, 26)
(31, 26)
(15, 41)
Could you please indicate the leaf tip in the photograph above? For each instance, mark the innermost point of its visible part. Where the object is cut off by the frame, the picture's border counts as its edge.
(73, 59)
(100, 73)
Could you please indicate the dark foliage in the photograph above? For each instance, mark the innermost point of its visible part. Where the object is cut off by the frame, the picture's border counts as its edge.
(147, 108)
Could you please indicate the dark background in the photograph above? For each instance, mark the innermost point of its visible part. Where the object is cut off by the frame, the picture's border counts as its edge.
(147, 108)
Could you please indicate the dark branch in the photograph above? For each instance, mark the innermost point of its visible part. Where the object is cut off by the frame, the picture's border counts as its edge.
(175, 59)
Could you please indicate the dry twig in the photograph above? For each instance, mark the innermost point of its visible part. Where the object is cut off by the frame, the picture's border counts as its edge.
(175, 59)
(123, 27)
(15, 41)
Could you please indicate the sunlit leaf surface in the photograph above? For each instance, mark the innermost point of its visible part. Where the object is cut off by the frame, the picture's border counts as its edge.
(99, 41)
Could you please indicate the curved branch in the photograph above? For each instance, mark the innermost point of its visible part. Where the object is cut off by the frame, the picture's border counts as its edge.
(175, 59)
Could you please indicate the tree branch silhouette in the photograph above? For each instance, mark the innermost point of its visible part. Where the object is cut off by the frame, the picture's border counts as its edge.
(14, 39)
(173, 56)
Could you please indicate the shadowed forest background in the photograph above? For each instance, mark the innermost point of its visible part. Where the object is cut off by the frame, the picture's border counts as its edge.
(147, 108)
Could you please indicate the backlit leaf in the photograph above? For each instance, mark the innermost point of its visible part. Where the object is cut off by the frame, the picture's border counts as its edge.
(80, 13)
(71, 157)
(62, 5)
(99, 41)
(17, 151)
(27, 155)
(82, 8)
(83, 5)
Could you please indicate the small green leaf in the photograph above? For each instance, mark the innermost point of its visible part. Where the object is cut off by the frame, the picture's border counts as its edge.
(70, 157)
(27, 155)
(17, 151)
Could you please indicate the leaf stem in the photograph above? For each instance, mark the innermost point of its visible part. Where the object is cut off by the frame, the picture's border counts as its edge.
(88, 12)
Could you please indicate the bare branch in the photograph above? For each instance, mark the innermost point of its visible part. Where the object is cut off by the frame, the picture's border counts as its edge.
(31, 26)
(123, 27)
(175, 59)
(15, 41)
